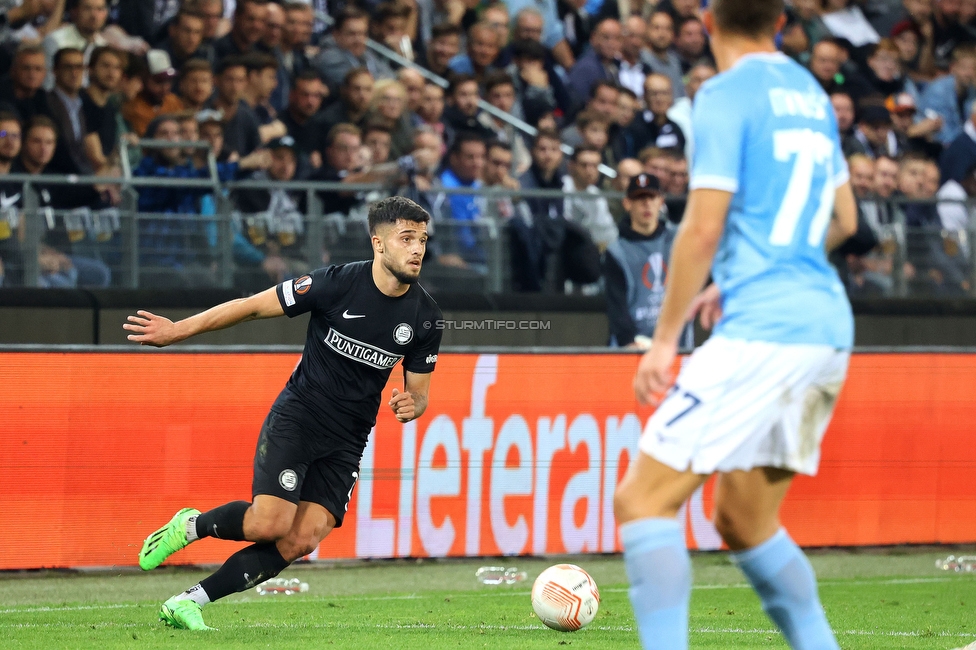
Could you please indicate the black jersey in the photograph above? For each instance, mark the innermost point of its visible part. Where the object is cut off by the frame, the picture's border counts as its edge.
(355, 336)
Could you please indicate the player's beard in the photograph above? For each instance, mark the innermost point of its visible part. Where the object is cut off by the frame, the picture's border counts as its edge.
(401, 274)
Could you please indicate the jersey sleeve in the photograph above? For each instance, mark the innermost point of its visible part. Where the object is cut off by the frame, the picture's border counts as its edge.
(423, 357)
(718, 121)
(304, 294)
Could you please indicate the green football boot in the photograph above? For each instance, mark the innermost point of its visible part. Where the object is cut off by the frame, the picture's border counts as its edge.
(183, 615)
(166, 541)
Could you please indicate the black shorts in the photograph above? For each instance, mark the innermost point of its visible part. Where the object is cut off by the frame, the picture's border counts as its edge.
(297, 464)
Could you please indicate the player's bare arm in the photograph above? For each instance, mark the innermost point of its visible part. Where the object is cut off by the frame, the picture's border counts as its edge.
(412, 402)
(844, 223)
(691, 259)
(158, 331)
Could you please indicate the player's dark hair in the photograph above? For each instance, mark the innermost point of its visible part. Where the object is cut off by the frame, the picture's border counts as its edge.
(393, 209)
(749, 18)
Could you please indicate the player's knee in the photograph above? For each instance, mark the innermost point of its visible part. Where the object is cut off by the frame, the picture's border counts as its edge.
(268, 529)
(296, 547)
(736, 528)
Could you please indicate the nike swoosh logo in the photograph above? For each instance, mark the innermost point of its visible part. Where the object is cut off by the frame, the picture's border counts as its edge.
(347, 315)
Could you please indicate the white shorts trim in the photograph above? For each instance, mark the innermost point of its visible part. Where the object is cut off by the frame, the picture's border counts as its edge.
(743, 404)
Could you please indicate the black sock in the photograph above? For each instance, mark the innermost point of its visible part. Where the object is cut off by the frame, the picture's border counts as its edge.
(245, 569)
(224, 522)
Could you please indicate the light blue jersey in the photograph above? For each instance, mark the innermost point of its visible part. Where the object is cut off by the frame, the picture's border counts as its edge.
(765, 131)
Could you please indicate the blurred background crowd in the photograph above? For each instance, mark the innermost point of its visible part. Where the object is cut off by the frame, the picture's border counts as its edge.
(519, 124)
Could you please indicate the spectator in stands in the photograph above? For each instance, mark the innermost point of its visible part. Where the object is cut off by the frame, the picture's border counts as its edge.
(553, 35)
(247, 29)
(431, 112)
(825, 61)
(885, 178)
(657, 162)
(100, 105)
(863, 268)
(296, 38)
(873, 135)
(843, 106)
(497, 17)
(955, 214)
(262, 80)
(635, 266)
(465, 165)
(535, 243)
(626, 169)
(913, 135)
(884, 73)
(11, 225)
(680, 9)
(679, 174)
(273, 224)
(952, 96)
(661, 58)
(498, 174)
(680, 111)
(603, 100)
(960, 155)
(20, 90)
(600, 63)
(184, 40)
(424, 185)
(196, 85)
(174, 251)
(82, 33)
(500, 93)
(594, 130)
(915, 50)
(444, 45)
(349, 50)
(535, 87)
(355, 94)
(378, 139)
(214, 23)
(59, 268)
(654, 127)
(156, 97)
(389, 107)
(302, 118)
(627, 107)
(271, 43)
(389, 26)
(462, 112)
(413, 83)
(947, 32)
(633, 67)
(66, 105)
(591, 213)
(484, 44)
(242, 129)
(690, 42)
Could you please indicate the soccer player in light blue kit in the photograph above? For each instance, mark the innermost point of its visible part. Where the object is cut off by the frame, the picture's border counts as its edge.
(769, 194)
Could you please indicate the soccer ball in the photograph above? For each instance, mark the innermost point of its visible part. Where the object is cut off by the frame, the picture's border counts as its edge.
(565, 597)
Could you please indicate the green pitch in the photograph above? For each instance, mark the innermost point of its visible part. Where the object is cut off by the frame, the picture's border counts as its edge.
(874, 600)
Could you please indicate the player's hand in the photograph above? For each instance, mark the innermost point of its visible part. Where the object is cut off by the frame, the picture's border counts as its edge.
(707, 306)
(653, 376)
(403, 406)
(151, 329)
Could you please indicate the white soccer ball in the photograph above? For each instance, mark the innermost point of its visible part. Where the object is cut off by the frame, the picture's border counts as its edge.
(565, 597)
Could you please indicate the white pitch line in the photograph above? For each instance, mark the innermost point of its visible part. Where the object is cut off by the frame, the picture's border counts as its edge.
(469, 594)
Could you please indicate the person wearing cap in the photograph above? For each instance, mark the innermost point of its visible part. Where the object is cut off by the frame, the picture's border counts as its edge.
(873, 135)
(156, 97)
(913, 135)
(635, 265)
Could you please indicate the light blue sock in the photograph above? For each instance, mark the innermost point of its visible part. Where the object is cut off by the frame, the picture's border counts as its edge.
(659, 571)
(782, 576)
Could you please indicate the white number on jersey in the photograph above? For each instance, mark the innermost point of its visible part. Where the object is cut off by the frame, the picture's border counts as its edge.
(808, 149)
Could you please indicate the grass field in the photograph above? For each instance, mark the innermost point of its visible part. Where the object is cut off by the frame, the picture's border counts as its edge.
(892, 599)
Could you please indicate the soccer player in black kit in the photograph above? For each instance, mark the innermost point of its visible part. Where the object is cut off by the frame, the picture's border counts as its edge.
(366, 317)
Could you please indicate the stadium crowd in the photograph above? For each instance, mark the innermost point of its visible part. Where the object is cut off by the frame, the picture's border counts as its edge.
(291, 91)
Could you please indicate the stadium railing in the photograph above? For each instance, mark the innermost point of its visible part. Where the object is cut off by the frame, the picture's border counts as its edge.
(911, 261)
